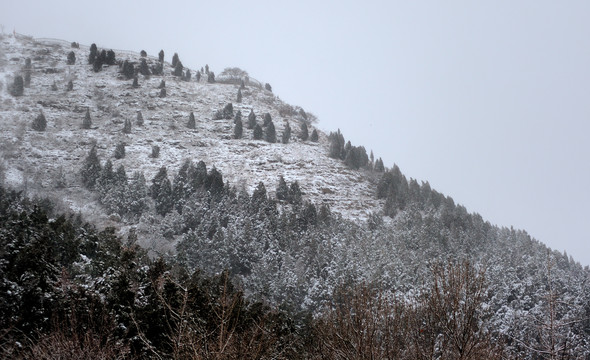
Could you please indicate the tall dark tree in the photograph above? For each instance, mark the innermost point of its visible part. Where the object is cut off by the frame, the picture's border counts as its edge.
(238, 116)
(119, 151)
(157, 182)
(175, 60)
(144, 68)
(178, 69)
(198, 76)
(314, 136)
(187, 75)
(270, 134)
(267, 120)
(282, 189)
(128, 70)
(155, 151)
(304, 134)
(161, 56)
(238, 129)
(228, 111)
(211, 77)
(286, 134)
(39, 123)
(93, 54)
(251, 120)
(191, 121)
(91, 169)
(158, 69)
(295, 193)
(18, 86)
(87, 123)
(257, 132)
(110, 58)
(127, 127)
(71, 58)
(162, 93)
(139, 120)
(135, 83)
(162, 84)
(164, 200)
(239, 99)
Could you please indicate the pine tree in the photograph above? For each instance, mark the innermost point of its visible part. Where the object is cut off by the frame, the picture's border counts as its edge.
(139, 120)
(228, 111)
(155, 151)
(164, 200)
(70, 86)
(161, 56)
(91, 169)
(314, 136)
(162, 93)
(187, 75)
(191, 121)
(304, 135)
(295, 193)
(257, 132)
(282, 189)
(162, 84)
(178, 69)
(270, 134)
(238, 129)
(239, 99)
(110, 58)
(267, 120)
(238, 116)
(286, 134)
(175, 60)
(143, 68)
(157, 182)
(106, 179)
(18, 86)
(198, 76)
(119, 151)
(87, 123)
(127, 127)
(211, 77)
(251, 119)
(93, 54)
(71, 58)
(128, 70)
(268, 87)
(135, 82)
(39, 123)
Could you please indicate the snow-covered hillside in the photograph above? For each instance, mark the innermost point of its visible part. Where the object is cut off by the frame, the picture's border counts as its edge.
(34, 160)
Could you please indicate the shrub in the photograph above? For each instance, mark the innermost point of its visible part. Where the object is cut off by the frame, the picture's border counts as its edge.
(175, 60)
(286, 134)
(158, 69)
(135, 82)
(178, 69)
(304, 135)
(162, 84)
(238, 129)
(162, 93)
(120, 151)
(198, 76)
(257, 132)
(128, 69)
(187, 75)
(39, 123)
(270, 134)
(228, 111)
(75, 45)
(211, 77)
(267, 120)
(251, 119)
(142, 53)
(93, 54)
(110, 58)
(268, 87)
(314, 136)
(70, 86)
(143, 68)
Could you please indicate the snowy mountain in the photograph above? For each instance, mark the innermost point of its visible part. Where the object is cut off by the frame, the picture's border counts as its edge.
(294, 222)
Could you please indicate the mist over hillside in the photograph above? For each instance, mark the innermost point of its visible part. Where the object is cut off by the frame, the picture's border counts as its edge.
(210, 172)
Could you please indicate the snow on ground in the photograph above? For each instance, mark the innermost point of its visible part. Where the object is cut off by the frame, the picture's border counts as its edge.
(37, 157)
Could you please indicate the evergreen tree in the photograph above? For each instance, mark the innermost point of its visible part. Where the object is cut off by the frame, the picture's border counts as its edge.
(239, 99)
(379, 165)
(282, 189)
(198, 76)
(268, 87)
(142, 53)
(127, 127)
(71, 58)
(286, 134)
(164, 200)
(251, 119)
(162, 84)
(93, 54)
(238, 129)
(87, 123)
(39, 123)
(228, 111)
(106, 178)
(295, 193)
(162, 93)
(18, 86)
(155, 151)
(157, 182)
(143, 68)
(128, 70)
(314, 136)
(175, 60)
(211, 77)
(119, 151)
(207, 69)
(336, 145)
(110, 58)
(238, 116)
(158, 69)
(191, 121)
(70, 86)
(161, 56)
(178, 69)
(259, 194)
(139, 120)
(304, 135)
(214, 182)
(267, 120)
(91, 169)
(270, 134)
(135, 82)
(187, 76)
(257, 132)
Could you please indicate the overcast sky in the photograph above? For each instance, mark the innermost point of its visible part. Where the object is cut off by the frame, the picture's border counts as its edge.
(488, 101)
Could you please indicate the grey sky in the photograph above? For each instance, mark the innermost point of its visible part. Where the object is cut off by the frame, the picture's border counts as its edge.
(488, 101)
